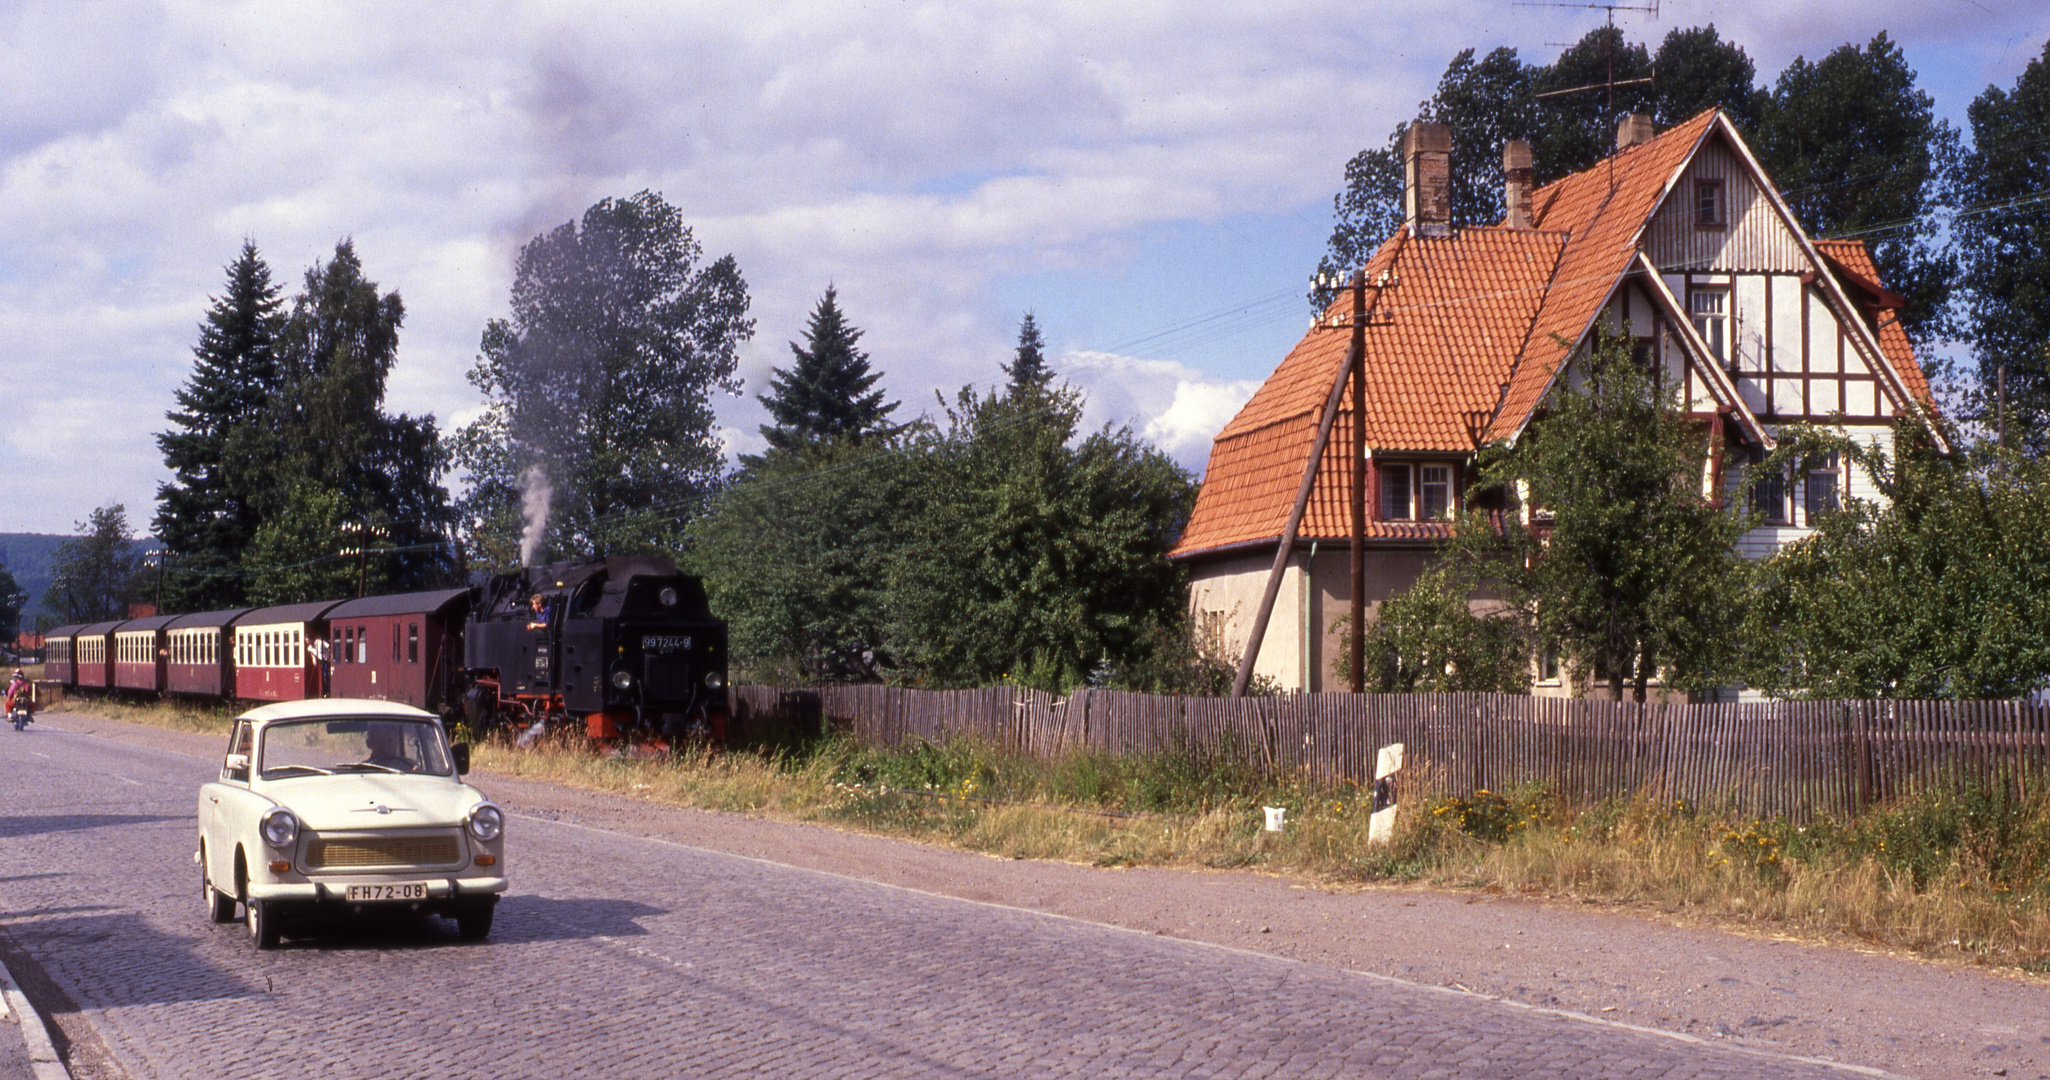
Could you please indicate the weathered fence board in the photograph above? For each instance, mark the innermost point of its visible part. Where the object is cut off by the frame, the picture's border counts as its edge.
(1797, 759)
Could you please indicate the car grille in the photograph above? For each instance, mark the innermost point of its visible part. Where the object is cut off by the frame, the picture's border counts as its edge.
(324, 854)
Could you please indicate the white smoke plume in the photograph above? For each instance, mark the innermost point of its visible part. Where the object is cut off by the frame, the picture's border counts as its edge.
(534, 495)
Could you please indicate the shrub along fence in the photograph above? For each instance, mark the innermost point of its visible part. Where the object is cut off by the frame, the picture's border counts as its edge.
(1799, 759)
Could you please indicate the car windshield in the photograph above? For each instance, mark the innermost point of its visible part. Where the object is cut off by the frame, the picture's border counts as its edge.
(354, 745)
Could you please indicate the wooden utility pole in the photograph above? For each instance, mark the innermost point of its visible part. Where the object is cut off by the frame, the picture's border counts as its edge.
(2001, 413)
(1258, 633)
(1356, 362)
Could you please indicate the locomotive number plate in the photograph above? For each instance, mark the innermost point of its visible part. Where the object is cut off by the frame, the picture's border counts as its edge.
(404, 890)
(665, 642)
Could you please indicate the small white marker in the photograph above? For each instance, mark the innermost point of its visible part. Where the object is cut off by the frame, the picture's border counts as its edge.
(1277, 817)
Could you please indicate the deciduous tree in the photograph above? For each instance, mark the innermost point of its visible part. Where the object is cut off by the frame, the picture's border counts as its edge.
(95, 575)
(2002, 234)
(1629, 568)
(325, 429)
(1857, 151)
(603, 378)
(1940, 588)
(1036, 559)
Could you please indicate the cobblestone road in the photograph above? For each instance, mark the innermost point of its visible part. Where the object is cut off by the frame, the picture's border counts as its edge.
(616, 956)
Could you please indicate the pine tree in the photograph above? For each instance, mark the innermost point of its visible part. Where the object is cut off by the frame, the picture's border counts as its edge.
(205, 516)
(825, 395)
(1029, 369)
(325, 429)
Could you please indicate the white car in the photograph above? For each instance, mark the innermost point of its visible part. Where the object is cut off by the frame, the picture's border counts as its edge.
(345, 805)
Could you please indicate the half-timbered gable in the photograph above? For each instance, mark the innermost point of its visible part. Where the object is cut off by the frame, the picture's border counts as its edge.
(1677, 239)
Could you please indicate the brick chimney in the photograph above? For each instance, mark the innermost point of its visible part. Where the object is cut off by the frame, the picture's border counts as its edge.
(1516, 181)
(1427, 179)
(1635, 128)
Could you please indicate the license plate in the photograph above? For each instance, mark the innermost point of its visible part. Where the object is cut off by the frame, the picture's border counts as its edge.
(404, 890)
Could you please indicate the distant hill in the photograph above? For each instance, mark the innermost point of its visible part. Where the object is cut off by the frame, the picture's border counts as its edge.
(29, 557)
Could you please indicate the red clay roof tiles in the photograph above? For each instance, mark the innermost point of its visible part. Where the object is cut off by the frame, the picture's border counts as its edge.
(1462, 342)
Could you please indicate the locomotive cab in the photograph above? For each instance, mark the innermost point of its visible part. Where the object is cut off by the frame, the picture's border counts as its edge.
(624, 644)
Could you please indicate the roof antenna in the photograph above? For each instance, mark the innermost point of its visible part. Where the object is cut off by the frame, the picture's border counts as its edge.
(1609, 84)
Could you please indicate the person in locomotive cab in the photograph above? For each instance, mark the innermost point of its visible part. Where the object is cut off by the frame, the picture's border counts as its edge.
(387, 746)
(539, 621)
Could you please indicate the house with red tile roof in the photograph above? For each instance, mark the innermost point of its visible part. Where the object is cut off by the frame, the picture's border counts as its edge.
(1679, 238)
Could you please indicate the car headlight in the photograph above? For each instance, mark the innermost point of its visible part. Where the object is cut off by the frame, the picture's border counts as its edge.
(280, 828)
(714, 681)
(622, 679)
(487, 822)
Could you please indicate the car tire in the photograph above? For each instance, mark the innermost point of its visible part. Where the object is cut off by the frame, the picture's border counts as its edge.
(262, 918)
(473, 922)
(220, 907)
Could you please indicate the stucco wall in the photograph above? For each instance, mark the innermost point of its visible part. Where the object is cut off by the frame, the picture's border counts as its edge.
(1302, 645)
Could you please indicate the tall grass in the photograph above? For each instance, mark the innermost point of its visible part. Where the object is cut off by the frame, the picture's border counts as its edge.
(1959, 871)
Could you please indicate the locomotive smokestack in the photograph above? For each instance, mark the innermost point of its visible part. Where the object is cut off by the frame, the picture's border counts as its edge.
(534, 495)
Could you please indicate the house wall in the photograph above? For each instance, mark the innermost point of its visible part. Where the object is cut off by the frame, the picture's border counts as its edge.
(1224, 595)
(1754, 240)
(1786, 350)
(1857, 484)
(1302, 646)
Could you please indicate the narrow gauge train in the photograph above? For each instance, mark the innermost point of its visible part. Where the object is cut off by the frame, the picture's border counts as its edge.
(627, 646)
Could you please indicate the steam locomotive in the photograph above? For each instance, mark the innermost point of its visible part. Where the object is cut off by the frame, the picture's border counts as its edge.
(625, 645)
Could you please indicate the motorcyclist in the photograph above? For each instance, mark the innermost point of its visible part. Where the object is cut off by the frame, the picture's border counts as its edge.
(20, 703)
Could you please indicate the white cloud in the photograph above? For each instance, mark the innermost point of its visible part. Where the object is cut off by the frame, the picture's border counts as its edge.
(1175, 407)
(911, 154)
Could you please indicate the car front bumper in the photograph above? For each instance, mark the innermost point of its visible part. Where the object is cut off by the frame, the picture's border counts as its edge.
(333, 892)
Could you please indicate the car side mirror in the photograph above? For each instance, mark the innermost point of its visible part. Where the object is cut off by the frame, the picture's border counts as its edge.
(237, 767)
(461, 752)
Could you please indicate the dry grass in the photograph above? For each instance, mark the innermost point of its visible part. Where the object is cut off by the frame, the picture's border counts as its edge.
(1961, 875)
(174, 715)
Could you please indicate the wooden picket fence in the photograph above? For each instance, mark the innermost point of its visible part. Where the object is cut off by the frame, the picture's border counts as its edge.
(1798, 759)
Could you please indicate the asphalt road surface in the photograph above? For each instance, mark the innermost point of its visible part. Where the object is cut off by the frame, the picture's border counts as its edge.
(622, 956)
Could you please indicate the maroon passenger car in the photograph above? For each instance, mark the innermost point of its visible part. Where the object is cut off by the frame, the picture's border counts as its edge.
(402, 648)
(89, 655)
(139, 654)
(272, 660)
(201, 646)
(58, 645)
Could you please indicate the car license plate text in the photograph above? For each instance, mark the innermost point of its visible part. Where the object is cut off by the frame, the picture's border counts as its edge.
(404, 890)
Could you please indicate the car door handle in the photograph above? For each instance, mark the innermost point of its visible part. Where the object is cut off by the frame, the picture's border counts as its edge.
(215, 798)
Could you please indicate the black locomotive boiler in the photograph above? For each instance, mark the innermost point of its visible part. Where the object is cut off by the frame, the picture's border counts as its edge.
(625, 644)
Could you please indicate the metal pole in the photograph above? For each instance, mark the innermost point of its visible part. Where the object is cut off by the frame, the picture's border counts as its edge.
(1356, 356)
(1295, 521)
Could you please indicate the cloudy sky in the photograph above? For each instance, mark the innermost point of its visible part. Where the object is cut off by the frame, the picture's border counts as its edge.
(1152, 179)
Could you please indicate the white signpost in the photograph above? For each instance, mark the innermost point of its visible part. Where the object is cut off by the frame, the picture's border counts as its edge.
(1381, 827)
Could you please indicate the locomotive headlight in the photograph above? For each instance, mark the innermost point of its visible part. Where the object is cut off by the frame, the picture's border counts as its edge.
(713, 681)
(486, 822)
(667, 596)
(280, 828)
(621, 680)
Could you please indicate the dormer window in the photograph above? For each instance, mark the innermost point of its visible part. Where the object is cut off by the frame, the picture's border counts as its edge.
(1435, 492)
(1395, 493)
(1708, 204)
(1416, 492)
